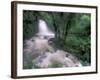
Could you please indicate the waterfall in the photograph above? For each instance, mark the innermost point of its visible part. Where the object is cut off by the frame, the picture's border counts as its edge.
(43, 30)
(40, 54)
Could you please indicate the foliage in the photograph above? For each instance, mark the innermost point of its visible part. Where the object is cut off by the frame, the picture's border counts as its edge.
(73, 31)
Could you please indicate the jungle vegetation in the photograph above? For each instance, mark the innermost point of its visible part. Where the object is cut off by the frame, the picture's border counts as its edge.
(72, 30)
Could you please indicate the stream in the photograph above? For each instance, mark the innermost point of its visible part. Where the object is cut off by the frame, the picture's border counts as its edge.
(38, 51)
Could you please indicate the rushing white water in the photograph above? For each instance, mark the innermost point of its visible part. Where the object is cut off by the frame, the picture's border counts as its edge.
(43, 30)
(39, 52)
